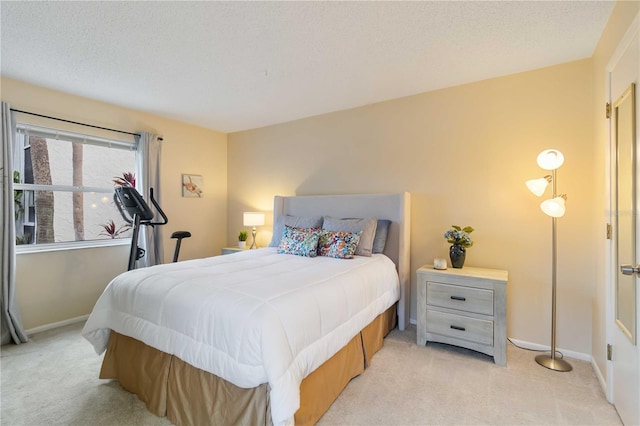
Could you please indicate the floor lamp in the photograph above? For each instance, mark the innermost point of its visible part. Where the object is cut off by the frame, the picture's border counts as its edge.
(551, 159)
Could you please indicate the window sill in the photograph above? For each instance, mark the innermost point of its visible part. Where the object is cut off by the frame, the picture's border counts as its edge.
(74, 245)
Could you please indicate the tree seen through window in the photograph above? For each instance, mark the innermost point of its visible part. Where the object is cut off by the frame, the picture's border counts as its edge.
(64, 186)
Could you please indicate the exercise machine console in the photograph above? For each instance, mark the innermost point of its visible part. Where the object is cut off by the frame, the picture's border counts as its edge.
(136, 212)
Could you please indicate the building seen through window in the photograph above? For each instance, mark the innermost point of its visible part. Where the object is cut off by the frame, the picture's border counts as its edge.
(63, 186)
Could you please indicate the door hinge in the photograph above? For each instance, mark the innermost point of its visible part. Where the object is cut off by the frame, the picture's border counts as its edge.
(609, 352)
(608, 110)
(608, 231)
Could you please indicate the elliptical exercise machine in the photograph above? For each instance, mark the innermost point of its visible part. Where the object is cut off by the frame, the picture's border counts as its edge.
(129, 200)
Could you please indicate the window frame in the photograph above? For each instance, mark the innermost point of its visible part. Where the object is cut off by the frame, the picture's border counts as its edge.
(86, 139)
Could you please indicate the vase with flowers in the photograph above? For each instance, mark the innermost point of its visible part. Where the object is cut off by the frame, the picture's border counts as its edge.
(460, 240)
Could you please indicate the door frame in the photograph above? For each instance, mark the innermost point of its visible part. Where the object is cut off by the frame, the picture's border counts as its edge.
(611, 269)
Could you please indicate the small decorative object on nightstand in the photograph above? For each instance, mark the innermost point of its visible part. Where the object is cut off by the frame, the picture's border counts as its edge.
(242, 239)
(440, 263)
(460, 240)
(464, 307)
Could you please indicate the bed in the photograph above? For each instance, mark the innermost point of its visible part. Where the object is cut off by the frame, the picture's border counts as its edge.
(257, 337)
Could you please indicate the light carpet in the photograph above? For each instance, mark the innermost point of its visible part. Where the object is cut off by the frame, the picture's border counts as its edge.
(53, 380)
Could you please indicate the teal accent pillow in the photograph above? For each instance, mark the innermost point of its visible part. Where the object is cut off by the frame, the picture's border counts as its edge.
(338, 244)
(299, 241)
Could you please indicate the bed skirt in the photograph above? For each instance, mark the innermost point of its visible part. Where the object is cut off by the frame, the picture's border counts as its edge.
(190, 396)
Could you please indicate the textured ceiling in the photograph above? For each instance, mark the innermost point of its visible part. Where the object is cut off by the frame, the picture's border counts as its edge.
(231, 66)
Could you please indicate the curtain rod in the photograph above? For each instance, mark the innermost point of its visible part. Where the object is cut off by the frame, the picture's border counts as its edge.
(76, 122)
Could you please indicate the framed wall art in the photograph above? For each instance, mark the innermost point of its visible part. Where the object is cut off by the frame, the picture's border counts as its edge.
(192, 186)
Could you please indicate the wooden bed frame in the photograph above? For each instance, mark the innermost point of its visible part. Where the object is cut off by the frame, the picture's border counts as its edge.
(187, 395)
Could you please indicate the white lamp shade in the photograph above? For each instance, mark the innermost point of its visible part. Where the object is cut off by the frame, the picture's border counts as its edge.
(253, 219)
(537, 186)
(554, 207)
(550, 159)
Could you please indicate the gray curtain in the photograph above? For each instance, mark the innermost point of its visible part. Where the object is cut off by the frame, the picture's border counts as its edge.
(148, 157)
(10, 320)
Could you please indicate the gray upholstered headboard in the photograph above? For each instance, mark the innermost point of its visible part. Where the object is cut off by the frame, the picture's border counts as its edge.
(394, 207)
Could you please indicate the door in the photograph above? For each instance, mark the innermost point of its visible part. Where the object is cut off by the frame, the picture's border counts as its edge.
(625, 185)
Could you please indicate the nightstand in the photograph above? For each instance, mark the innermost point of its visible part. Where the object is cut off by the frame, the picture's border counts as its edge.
(231, 250)
(464, 307)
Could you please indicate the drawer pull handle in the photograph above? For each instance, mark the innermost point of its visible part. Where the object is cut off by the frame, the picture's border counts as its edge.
(458, 298)
(455, 327)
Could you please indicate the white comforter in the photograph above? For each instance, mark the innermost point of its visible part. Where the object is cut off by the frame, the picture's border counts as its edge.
(252, 317)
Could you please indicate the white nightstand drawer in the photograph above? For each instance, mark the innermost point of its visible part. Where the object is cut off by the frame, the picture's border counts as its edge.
(465, 307)
(466, 299)
(460, 327)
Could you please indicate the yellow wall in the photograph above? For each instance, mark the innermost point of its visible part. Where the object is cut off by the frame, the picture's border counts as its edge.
(57, 286)
(621, 17)
(464, 154)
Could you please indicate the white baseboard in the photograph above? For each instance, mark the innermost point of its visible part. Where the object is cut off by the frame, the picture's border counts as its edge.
(51, 326)
(603, 382)
(570, 354)
(565, 352)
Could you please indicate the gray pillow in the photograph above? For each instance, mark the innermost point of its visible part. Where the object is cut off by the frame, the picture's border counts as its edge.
(367, 226)
(380, 240)
(294, 222)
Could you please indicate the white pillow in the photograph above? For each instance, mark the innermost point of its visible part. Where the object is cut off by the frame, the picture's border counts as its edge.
(367, 226)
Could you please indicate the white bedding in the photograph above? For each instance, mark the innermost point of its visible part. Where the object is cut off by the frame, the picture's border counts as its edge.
(252, 317)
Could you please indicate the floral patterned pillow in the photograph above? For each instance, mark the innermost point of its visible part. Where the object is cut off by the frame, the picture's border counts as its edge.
(338, 244)
(299, 241)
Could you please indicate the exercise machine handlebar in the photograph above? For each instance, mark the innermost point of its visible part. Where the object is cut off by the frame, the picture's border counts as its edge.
(135, 211)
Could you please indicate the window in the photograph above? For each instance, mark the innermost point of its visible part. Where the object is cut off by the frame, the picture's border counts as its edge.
(63, 186)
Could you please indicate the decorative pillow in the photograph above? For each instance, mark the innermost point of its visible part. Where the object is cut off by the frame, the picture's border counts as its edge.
(367, 226)
(299, 241)
(294, 222)
(341, 245)
(380, 240)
